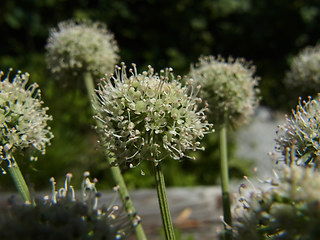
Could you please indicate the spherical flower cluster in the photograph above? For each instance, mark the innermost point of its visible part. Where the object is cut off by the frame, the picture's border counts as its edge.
(149, 116)
(63, 216)
(23, 118)
(229, 87)
(299, 137)
(288, 209)
(76, 47)
(304, 71)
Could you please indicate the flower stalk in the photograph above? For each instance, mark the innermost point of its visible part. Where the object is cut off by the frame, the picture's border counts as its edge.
(20, 183)
(115, 170)
(23, 125)
(150, 117)
(225, 180)
(163, 202)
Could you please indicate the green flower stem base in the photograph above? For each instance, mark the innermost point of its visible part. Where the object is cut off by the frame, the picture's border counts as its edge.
(128, 204)
(116, 173)
(20, 183)
(225, 180)
(163, 203)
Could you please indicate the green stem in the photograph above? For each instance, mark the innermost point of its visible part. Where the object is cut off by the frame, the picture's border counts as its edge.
(225, 179)
(20, 183)
(116, 172)
(163, 203)
(90, 88)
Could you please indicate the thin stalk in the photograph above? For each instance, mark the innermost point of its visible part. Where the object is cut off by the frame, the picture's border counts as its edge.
(163, 203)
(116, 172)
(225, 180)
(20, 183)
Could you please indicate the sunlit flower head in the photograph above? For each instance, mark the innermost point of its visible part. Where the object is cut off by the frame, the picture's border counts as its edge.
(77, 47)
(288, 209)
(229, 87)
(23, 118)
(149, 116)
(298, 138)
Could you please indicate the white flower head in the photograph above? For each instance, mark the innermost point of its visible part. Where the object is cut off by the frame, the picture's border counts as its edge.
(298, 138)
(23, 119)
(76, 47)
(288, 209)
(149, 116)
(229, 87)
(304, 70)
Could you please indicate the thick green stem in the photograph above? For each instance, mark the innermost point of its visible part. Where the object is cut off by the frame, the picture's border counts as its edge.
(20, 183)
(225, 179)
(163, 203)
(115, 170)
(125, 197)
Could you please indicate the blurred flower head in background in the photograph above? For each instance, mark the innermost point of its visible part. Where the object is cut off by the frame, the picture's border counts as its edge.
(78, 47)
(23, 118)
(229, 87)
(299, 136)
(288, 209)
(149, 116)
(304, 73)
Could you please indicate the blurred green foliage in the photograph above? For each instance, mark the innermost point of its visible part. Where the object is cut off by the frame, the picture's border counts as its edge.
(161, 33)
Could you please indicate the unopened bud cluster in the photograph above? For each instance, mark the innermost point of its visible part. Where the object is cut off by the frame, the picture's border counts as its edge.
(76, 47)
(299, 137)
(149, 117)
(22, 116)
(229, 87)
(288, 209)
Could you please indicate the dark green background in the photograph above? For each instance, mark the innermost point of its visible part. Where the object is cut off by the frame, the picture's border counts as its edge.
(161, 33)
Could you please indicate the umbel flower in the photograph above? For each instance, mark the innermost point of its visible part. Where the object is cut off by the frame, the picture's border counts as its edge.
(229, 87)
(288, 209)
(63, 216)
(149, 116)
(23, 118)
(75, 47)
(299, 137)
(304, 73)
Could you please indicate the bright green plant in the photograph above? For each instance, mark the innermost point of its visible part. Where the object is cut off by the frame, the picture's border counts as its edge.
(23, 122)
(150, 117)
(229, 88)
